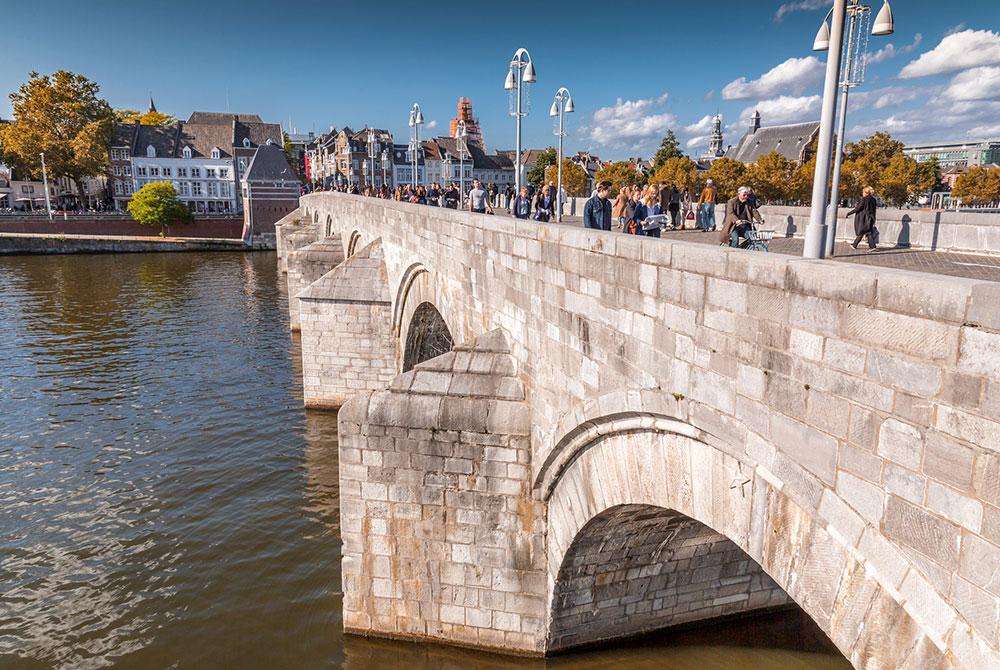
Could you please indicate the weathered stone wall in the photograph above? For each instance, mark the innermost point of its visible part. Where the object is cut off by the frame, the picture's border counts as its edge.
(306, 265)
(860, 405)
(636, 568)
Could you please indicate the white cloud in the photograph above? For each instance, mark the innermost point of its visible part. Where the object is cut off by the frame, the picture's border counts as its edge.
(938, 120)
(890, 50)
(784, 109)
(890, 96)
(979, 83)
(701, 127)
(985, 131)
(800, 6)
(697, 142)
(630, 122)
(432, 125)
(956, 52)
(955, 29)
(793, 76)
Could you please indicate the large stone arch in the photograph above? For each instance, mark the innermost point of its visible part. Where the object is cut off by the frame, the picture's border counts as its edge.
(643, 463)
(419, 286)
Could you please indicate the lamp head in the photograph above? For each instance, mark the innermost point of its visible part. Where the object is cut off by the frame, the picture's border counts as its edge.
(509, 83)
(529, 73)
(420, 118)
(822, 41)
(554, 111)
(412, 118)
(569, 105)
(884, 24)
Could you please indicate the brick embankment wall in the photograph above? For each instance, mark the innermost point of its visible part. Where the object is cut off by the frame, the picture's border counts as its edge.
(214, 227)
(12, 245)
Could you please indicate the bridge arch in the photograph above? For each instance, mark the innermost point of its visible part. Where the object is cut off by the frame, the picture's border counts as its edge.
(636, 495)
(427, 336)
(315, 216)
(353, 243)
(329, 226)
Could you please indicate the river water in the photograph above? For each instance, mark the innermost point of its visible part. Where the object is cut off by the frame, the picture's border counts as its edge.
(165, 501)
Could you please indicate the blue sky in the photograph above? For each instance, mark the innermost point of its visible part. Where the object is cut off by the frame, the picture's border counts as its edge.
(634, 68)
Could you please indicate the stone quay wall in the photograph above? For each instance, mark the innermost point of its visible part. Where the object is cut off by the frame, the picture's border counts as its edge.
(838, 427)
(222, 227)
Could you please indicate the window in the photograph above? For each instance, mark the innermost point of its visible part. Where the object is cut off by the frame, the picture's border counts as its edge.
(115, 154)
(196, 188)
(215, 153)
(140, 171)
(243, 165)
(151, 151)
(166, 172)
(213, 189)
(118, 188)
(127, 170)
(246, 142)
(128, 188)
(187, 152)
(182, 172)
(227, 189)
(125, 154)
(195, 172)
(185, 188)
(154, 171)
(116, 171)
(223, 173)
(210, 173)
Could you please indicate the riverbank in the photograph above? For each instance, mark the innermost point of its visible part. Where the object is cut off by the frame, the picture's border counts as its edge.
(27, 244)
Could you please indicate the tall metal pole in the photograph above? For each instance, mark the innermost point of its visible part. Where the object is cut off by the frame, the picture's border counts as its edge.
(460, 145)
(831, 216)
(517, 141)
(815, 242)
(562, 116)
(45, 183)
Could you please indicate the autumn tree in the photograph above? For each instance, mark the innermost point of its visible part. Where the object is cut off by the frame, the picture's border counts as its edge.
(574, 178)
(670, 147)
(620, 173)
(728, 175)
(156, 204)
(151, 118)
(61, 116)
(978, 186)
(537, 173)
(682, 172)
(771, 176)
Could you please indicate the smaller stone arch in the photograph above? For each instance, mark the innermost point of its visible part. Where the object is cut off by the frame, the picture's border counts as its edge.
(329, 225)
(353, 242)
(427, 337)
(315, 217)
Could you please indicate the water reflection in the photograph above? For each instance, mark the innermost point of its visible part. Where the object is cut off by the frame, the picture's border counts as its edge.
(165, 502)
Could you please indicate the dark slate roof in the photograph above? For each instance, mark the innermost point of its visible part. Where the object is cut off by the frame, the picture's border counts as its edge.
(269, 164)
(257, 132)
(162, 138)
(203, 137)
(789, 141)
(399, 155)
(124, 134)
(222, 117)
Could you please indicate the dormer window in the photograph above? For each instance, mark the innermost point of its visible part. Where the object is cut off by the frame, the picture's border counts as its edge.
(246, 142)
(187, 152)
(215, 153)
(150, 151)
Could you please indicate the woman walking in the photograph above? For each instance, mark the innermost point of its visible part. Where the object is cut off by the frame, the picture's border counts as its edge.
(618, 207)
(864, 219)
(544, 205)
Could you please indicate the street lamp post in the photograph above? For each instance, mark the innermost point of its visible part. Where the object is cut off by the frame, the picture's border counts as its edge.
(385, 165)
(372, 152)
(416, 120)
(855, 62)
(815, 242)
(447, 167)
(561, 106)
(45, 185)
(460, 144)
(522, 71)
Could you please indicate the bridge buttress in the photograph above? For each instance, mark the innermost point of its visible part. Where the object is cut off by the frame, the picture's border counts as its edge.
(308, 264)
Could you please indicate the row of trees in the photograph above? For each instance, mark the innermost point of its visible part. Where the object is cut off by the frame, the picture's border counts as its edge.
(877, 161)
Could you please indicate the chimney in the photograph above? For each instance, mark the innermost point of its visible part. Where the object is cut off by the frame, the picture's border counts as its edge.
(755, 122)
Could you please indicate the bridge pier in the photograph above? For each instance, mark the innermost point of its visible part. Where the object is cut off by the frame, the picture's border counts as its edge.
(346, 322)
(306, 265)
(442, 538)
(292, 232)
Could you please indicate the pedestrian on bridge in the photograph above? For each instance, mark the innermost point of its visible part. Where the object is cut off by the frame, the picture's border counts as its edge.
(597, 212)
(706, 206)
(520, 207)
(618, 210)
(864, 219)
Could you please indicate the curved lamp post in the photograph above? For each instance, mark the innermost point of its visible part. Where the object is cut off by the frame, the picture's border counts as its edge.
(372, 152)
(820, 236)
(855, 61)
(561, 106)
(460, 144)
(416, 120)
(522, 71)
(385, 165)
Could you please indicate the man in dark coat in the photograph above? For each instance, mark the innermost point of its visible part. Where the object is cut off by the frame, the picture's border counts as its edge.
(864, 220)
(597, 211)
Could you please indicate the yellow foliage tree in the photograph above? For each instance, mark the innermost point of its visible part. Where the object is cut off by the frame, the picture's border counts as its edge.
(728, 175)
(681, 171)
(574, 178)
(771, 176)
(620, 174)
(978, 186)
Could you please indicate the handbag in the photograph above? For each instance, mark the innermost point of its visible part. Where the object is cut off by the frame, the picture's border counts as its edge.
(690, 216)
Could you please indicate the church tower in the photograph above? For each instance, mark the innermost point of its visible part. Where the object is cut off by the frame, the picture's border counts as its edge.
(715, 144)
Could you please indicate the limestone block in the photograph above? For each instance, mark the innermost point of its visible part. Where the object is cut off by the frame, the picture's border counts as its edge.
(901, 443)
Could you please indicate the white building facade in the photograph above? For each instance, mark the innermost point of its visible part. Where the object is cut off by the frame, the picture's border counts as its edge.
(206, 185)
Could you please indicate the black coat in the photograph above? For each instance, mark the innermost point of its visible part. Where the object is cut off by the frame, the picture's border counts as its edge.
(864, 215)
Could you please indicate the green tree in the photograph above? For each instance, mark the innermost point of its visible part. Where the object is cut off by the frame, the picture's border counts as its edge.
(680, 171)
(61, 116)
(771, 177)
(620, 174)
(574, 178)
(728, 175)
(156, 204)
(536, 175)
(670, 147)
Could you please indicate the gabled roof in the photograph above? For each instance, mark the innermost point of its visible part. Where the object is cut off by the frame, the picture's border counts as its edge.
(789, 141)
(269, 164)
(162, 138)
(124, 134)
(222, 117)
(203, 137)
(257, 132)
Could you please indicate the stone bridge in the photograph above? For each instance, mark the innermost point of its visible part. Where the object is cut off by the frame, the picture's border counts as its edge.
(552, 436)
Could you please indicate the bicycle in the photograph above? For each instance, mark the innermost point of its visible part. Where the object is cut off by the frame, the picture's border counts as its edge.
(753, 239)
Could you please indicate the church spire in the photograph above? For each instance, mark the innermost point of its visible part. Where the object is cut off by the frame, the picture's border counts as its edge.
(152, 105)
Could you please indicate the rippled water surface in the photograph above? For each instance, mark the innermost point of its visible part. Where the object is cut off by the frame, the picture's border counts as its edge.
(165, 502)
